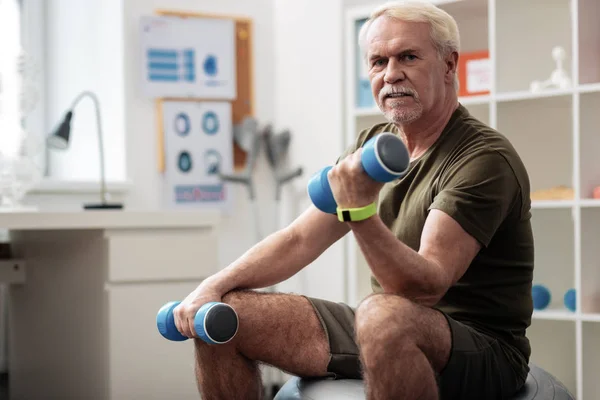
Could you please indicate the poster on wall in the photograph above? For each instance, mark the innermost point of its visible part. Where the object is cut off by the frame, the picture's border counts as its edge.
(198, 145)
(188, 57)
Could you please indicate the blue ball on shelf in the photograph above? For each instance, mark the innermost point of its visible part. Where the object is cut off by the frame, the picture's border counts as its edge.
(569, 300)
(541, 296)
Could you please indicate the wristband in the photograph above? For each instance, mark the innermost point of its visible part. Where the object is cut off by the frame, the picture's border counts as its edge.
(356, 214)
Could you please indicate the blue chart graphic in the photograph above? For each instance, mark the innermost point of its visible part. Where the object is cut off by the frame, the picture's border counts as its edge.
(170, 65)
(210, 65)
(210, 123)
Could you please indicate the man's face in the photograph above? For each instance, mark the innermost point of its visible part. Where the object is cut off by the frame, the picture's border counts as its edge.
(408, 78)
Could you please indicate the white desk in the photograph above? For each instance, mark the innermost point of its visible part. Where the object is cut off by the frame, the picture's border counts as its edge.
(83, 321)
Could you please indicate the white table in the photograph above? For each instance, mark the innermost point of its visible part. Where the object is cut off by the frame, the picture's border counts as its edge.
(85, 290)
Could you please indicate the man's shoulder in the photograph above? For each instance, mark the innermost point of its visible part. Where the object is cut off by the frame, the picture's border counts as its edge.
(481, 152)
(476, 137)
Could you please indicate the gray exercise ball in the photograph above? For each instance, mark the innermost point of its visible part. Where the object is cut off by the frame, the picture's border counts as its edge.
(540, 385)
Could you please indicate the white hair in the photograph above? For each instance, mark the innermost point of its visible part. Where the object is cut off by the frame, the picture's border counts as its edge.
(444, 30)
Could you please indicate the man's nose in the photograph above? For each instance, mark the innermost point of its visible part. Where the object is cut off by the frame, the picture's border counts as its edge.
(394, 71)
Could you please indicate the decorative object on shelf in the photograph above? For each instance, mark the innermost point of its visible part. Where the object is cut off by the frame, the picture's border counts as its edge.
(555, 193)
(541, 297)
(559, 77)
(19, 172)
(569, 299)
(596, 192)
(474, 73)
(60, 140)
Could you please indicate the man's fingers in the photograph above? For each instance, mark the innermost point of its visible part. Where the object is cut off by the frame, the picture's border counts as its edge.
(180, 315)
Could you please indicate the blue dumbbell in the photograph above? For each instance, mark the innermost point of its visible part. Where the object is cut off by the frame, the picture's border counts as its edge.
(384, 158)
(215, 323)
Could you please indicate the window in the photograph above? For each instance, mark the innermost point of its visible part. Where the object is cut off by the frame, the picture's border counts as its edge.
(20, 83)
(9, 83)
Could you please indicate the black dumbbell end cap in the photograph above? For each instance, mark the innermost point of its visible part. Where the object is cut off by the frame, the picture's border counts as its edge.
(392, 152)
(221, 323)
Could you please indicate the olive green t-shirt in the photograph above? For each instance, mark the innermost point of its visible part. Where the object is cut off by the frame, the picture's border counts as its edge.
(473, 174)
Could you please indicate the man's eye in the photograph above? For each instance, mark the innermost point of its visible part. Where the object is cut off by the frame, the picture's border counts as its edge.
(378, 63)
(410, 57)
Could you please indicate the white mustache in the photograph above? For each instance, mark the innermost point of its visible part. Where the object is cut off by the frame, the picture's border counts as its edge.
(387, 90)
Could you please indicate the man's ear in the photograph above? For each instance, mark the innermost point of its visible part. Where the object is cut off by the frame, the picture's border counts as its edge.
(451, 66)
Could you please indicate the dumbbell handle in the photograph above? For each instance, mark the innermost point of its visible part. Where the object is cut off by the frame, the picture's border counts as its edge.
(384, 158)
(215, 323)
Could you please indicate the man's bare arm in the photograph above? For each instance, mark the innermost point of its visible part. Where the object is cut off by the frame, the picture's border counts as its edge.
(282, 254)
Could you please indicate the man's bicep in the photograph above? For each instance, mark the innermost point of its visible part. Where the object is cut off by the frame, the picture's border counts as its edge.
(317, 230)
(445, 243)
(479, 195)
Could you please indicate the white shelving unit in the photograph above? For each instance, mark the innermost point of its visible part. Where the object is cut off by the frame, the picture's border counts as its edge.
(557, 134)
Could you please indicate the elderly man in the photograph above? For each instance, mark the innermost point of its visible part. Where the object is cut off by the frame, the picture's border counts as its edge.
(450, 249)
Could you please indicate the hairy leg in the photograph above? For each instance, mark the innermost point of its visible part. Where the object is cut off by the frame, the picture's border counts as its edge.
(402, 347)
(281, 330)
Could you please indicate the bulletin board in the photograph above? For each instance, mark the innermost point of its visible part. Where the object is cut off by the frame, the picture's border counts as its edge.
(242, 105)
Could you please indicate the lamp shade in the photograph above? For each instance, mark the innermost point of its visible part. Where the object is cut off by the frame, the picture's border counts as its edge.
(60, 137)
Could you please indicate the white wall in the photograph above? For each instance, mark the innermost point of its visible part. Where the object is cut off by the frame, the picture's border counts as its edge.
(298, 77)
(309, 78)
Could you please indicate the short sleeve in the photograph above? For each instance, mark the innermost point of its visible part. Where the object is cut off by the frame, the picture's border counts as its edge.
(478, 191)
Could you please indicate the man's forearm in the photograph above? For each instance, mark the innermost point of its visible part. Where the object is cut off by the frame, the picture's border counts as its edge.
(274, 259)
(398, 268)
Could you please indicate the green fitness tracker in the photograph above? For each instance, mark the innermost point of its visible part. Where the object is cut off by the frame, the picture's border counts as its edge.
(356, 214)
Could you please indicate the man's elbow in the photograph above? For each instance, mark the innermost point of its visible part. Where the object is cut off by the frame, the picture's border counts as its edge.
(426, 292)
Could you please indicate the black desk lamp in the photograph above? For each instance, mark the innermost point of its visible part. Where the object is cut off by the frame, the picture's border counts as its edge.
(60, 140)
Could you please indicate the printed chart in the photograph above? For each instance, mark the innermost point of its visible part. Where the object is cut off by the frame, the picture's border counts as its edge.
(188, 57)
(198, 145)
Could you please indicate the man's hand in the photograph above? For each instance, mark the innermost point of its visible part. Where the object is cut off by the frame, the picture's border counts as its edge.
(185, 312)
(350, 184)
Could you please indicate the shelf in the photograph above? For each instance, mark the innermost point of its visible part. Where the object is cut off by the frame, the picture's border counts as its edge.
(474, 100)
(554, 315)
(528, 95)
(556, 132)
(504, 97)
(466, 101)
(589, 203)
(589, 88)
(551, 204)
(590, 317)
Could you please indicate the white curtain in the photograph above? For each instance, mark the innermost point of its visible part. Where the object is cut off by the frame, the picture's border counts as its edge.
(9, 77)
(10, 117)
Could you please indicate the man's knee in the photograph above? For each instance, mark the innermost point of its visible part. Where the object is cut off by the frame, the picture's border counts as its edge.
(383, 319)
(239, 298)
